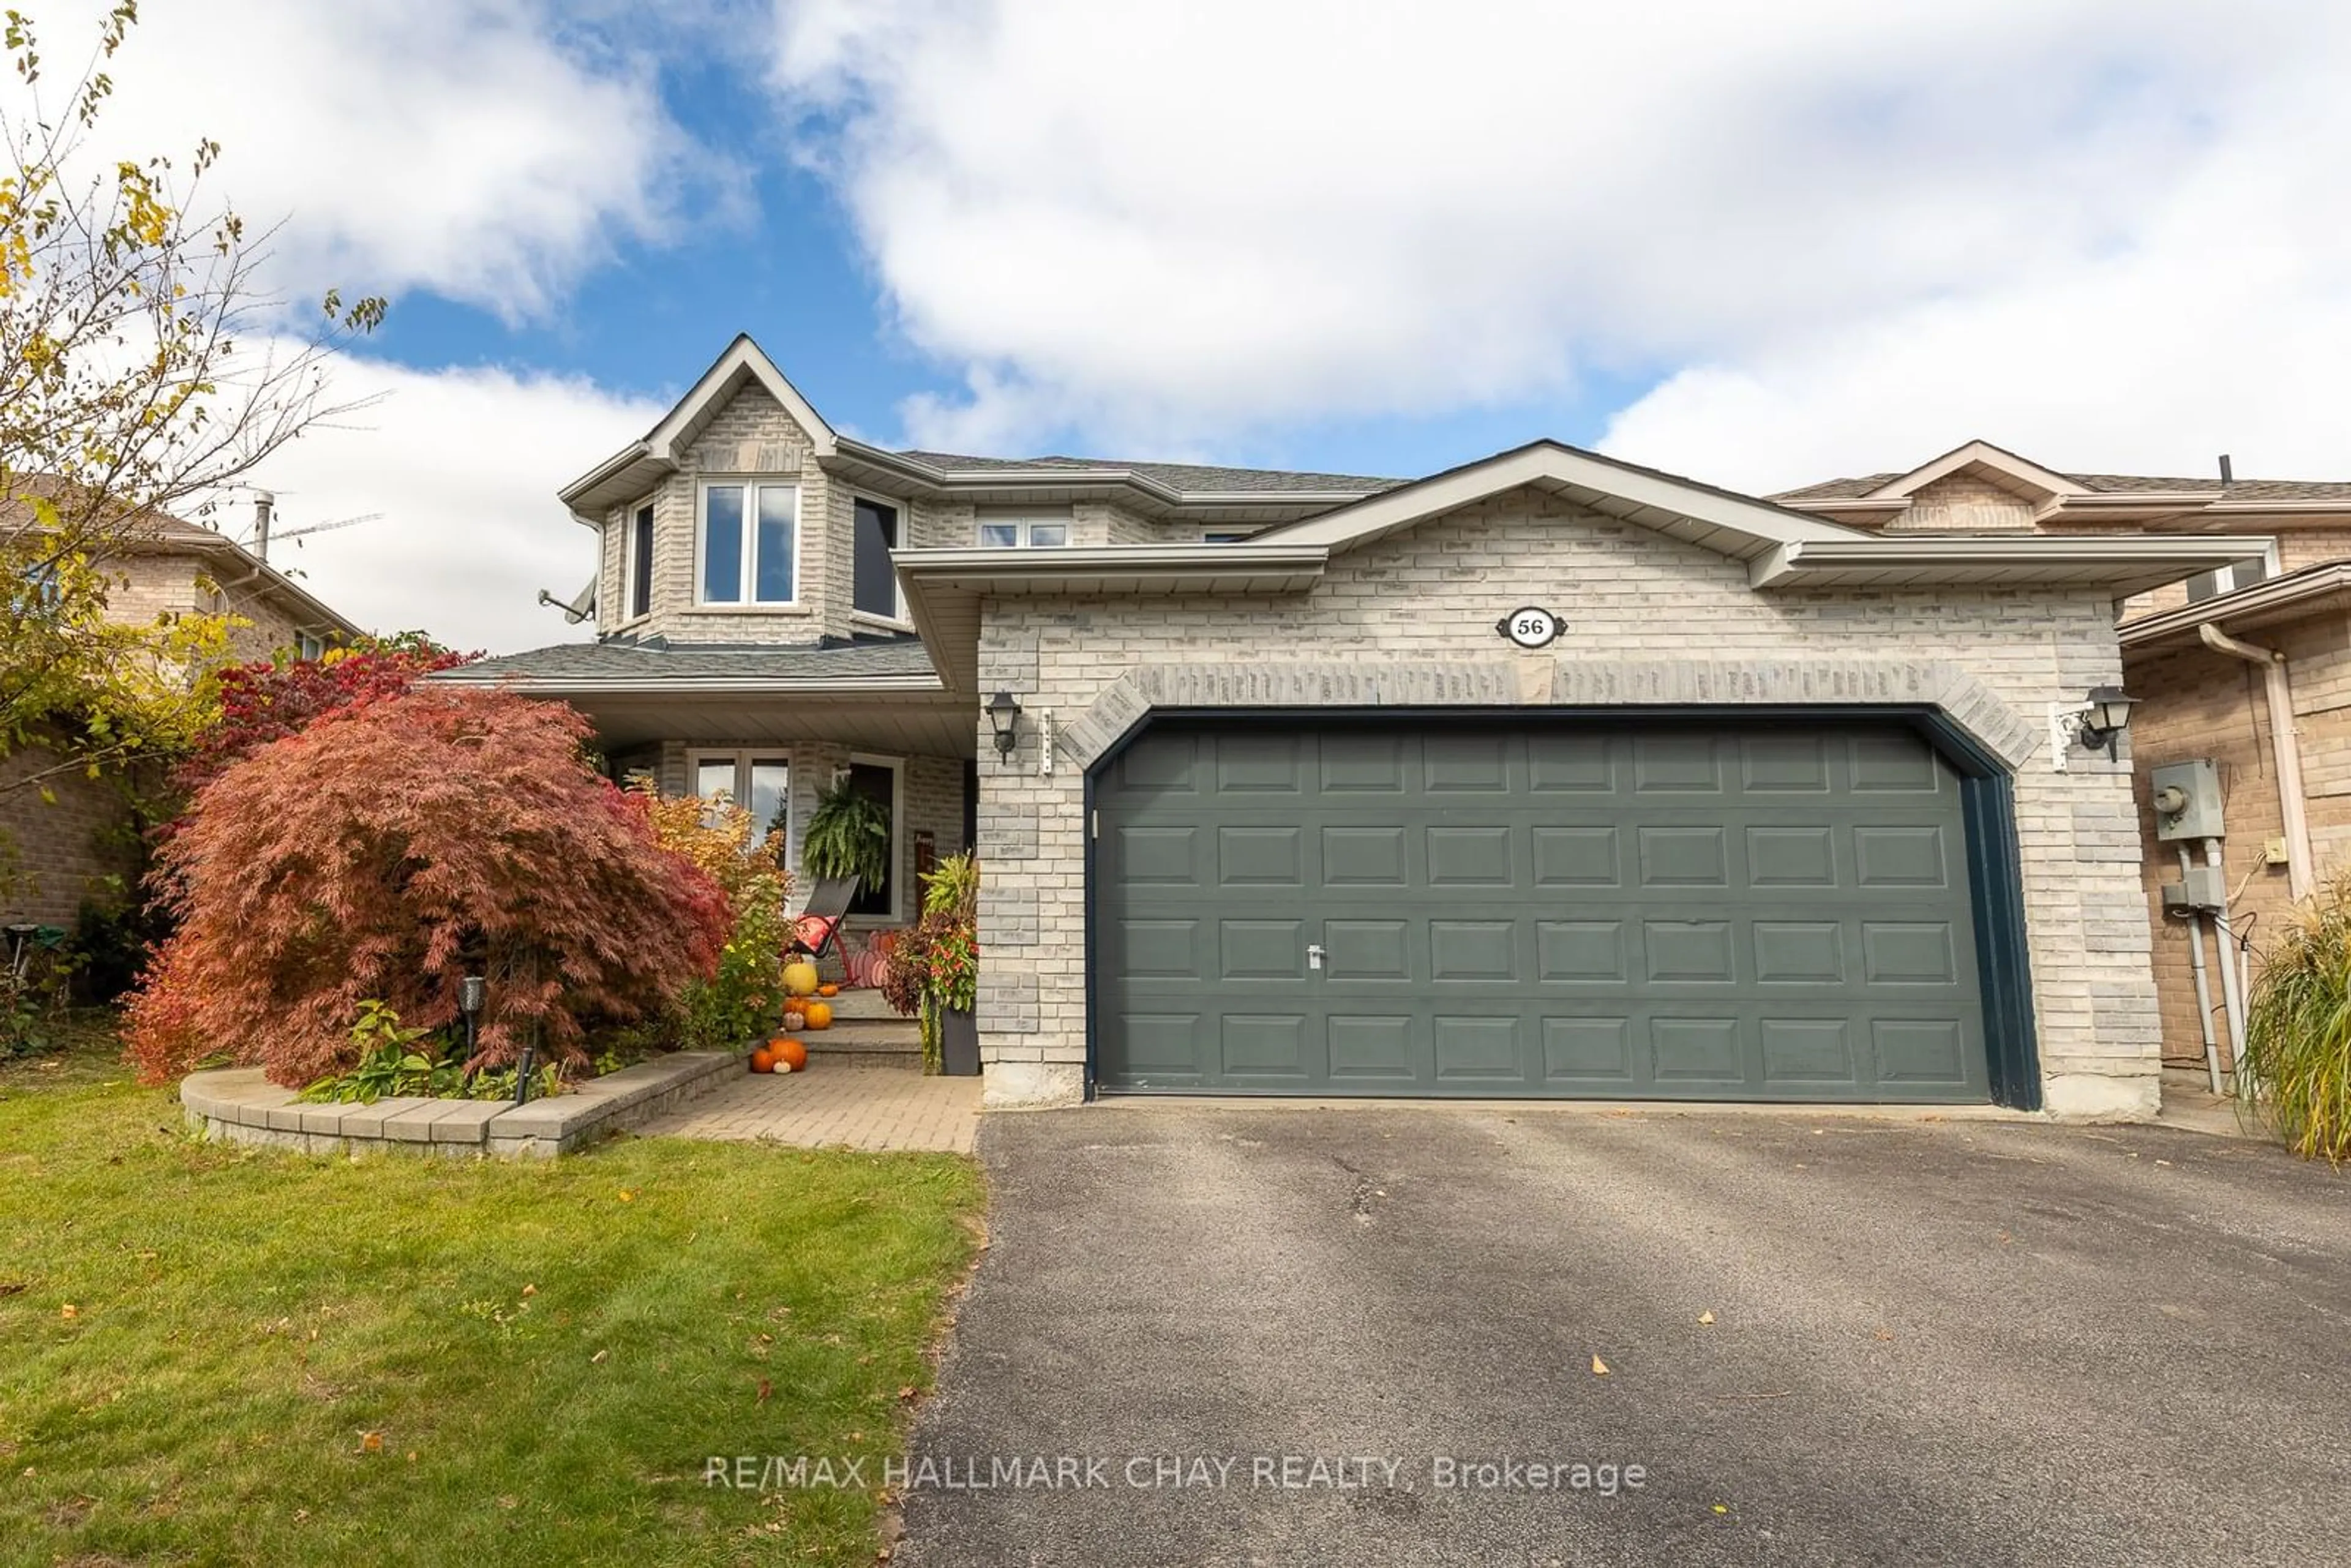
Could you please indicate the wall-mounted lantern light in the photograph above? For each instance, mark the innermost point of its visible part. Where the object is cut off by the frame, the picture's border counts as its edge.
(1004, 713)
(2105, 717)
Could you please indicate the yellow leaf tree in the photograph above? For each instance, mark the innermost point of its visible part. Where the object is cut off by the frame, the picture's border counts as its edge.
(142, 369)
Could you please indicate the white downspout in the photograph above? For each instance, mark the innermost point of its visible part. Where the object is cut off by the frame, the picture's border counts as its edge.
(2277, 691)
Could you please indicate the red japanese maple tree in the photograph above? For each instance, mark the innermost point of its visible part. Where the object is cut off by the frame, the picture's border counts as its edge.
(390, 849)
(267, 700)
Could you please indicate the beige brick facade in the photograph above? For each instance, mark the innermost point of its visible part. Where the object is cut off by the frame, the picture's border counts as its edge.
(1429, 597)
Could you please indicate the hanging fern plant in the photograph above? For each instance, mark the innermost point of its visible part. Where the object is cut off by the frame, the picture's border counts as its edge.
(848, 835)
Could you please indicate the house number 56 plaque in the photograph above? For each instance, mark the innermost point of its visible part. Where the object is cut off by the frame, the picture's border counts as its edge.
(1531, 626)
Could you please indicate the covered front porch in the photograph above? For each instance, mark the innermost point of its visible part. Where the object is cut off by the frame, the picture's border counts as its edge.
(774, 728)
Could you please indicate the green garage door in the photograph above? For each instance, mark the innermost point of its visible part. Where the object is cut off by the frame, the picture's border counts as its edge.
(1424, 909)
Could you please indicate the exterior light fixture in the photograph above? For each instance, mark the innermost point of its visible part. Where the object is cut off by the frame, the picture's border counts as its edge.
(1004, 713)
(2103, 717)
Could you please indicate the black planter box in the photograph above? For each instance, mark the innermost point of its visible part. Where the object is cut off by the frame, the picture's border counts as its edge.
(959, 1044)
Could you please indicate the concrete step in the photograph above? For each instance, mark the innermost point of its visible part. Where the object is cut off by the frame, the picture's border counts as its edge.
(896, 1037)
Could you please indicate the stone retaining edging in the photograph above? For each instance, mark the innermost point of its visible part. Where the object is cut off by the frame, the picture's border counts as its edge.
(239, 1104)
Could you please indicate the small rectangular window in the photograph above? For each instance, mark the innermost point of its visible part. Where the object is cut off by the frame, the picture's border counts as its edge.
(641, 563)
(760, 783)
(876, 586)
(2228, 579)
(1225, 538)
(1011, 533)
(307, 646)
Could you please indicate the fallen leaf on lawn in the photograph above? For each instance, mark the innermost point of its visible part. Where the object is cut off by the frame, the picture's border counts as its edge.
(1706, 1317)
(411, 1456)
(628, 1197)
(13, 1287)
(71, 1310)
(510, 1502)
(1599, 1367)
(371, 1442)
(598, 1359)
(766, 1388)
(530, 1290)
(906, 1391)
(300, 1514)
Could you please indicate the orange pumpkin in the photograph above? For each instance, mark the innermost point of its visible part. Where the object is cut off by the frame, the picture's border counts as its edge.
(792, 1056)
(762, 1060)
(827, 989)
(818, 1015)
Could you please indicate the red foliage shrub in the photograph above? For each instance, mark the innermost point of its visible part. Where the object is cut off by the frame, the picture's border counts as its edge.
(265, 700)
(388, 850)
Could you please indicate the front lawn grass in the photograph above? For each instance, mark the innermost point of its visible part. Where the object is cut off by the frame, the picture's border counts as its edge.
(213, 1355)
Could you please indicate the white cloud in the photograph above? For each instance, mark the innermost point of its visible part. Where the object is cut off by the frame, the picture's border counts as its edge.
(464, 466)
(475, 148)
(1851, 225)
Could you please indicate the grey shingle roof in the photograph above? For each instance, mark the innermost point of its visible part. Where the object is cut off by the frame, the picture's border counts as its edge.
(701, 662)
(2118, 485)
(1187, 477)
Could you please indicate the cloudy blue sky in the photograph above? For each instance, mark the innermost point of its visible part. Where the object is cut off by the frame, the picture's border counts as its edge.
(1757, 244)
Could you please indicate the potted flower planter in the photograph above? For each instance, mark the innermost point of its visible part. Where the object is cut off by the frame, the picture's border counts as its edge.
(959, 1044)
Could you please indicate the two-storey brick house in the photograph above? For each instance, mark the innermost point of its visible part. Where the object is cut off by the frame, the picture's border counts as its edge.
(1546, 776)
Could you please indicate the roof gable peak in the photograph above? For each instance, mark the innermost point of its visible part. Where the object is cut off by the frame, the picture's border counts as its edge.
(1980, 459)
(743, 363)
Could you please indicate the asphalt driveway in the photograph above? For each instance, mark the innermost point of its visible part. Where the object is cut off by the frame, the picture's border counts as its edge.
(1938, 1341)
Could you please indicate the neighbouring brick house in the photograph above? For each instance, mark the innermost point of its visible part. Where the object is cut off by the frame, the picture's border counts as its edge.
(1546, 776)
(63, 850)
(2207, 658)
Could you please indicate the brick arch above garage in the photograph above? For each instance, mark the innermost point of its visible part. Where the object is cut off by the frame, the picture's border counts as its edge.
(1966, 703)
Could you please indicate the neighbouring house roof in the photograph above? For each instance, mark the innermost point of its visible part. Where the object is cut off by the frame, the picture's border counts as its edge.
(236, 569)
(2324, 589)
(899, 662)
(2064, 497)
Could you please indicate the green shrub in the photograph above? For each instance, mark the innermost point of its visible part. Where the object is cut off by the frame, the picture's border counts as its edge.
(2296, 1070)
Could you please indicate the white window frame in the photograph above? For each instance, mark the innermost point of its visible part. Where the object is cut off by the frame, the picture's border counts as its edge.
(899, 618)
(1024, 527)
(750, 484)
(309, 646)
(899, 837)
(741, 757)
(629, 563)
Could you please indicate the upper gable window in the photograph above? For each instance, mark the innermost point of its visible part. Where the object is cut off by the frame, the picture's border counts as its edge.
(748, 542)
(1047, 530)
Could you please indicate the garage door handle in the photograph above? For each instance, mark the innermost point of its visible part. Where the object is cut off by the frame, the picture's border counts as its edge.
(1314, 955)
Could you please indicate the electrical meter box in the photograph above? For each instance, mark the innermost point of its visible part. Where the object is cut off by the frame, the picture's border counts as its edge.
(2188, 800)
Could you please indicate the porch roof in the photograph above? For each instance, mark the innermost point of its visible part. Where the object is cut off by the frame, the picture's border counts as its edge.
(882, 696)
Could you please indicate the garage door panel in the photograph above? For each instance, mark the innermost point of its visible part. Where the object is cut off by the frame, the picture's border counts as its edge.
(1265, 1045)
(1760, 913)
(1581, 952)
(1592, 1054)
(1575, 857)
(1472, 1047)
(1261, 857)
(1382, 1047)
(1694, 856)
(1480, 856)
(1473, 950)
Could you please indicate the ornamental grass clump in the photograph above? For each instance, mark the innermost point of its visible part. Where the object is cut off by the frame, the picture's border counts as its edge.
(2296, 1072)
(394, 847)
